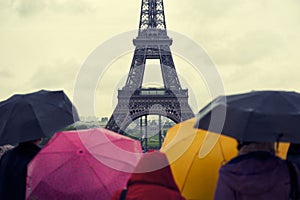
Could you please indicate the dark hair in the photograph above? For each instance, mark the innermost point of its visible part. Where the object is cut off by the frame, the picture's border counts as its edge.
(241, 144)
(294, 149)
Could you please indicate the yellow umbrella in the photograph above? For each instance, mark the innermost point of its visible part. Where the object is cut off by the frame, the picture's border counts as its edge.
(196, 156)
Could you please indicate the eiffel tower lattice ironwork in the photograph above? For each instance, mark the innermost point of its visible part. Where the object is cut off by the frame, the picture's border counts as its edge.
(134, 101)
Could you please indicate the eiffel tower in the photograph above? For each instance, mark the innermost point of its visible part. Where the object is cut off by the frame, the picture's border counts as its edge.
(134, 101)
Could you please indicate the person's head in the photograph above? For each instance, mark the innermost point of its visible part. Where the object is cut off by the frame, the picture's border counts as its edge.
(36, 141)
(247, 147)
(1, 150)
(5, 148)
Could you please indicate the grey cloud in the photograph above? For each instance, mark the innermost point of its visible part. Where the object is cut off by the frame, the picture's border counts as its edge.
(57, 75)
(71, 6)
(200, 10)
(276, 72)
(7, 83)
(252, 46)
(26, 8)
(213, 8)
(6, 74)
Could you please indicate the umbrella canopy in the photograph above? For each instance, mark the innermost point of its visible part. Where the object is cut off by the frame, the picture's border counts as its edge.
(196, 177)
(261, 116)
(195, 158)
(36, 115)
(82, 164)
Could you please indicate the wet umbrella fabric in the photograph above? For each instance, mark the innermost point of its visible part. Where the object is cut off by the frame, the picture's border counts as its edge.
(83, 164)
(26, 117)
(262, 116)
(182, 145)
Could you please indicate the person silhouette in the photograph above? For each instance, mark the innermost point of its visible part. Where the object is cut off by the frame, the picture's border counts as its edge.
(152, 179)
(257, 173)
(293, 154)
(13, 169)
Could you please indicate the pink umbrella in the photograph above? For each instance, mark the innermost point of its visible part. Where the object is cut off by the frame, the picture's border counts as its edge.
(82, 164)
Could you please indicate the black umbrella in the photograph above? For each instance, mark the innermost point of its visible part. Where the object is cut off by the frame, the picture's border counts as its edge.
(262, 116)
(36, 115)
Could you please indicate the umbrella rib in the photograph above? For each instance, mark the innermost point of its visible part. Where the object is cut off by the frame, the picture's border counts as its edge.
(64, 109)
(89, 164)
(189, 168)
(173, 143)
(245, 127)
(56, 107)
(97, 144)
(222, 152)
(10, 112)
(296, 108)
(33, 110)
(56, 152)
(104, 156)
(93, 154)
(96, 175)
(14, 113)
(62, 164)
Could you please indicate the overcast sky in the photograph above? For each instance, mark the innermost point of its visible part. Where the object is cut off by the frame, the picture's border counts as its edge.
(254, 44)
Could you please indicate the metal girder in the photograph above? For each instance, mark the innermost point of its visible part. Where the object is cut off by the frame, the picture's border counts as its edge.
(149, 101)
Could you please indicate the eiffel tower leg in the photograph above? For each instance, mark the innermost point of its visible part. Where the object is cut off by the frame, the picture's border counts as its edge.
(141, 130)
(159, 132)
(146, 134)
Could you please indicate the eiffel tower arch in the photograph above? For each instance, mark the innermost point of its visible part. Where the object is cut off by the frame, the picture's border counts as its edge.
(134, 101)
